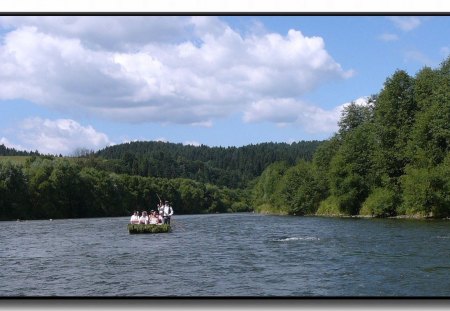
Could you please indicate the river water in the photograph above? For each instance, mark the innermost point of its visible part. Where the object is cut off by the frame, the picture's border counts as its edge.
(227, 255)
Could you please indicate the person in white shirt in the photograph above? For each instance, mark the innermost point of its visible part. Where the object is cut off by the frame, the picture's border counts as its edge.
(144, 218)
(160, 207)
(167, 212)
(134, 218)
(152, 219)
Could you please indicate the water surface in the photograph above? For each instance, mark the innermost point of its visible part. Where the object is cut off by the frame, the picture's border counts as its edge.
(227, 255)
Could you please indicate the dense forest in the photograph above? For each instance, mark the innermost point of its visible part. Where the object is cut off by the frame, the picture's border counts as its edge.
(233, 167)
(123, 178)
(61, 188)
(389, 158)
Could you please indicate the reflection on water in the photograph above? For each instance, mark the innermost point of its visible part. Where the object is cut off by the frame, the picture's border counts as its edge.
(227, 255)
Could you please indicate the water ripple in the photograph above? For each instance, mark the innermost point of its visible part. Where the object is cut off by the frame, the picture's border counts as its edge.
(226, 255)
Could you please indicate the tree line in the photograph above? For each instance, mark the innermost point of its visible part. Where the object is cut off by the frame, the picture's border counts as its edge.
(233, 167)
(45, 188)
(5, 151)
(117, 180)
(389, 157)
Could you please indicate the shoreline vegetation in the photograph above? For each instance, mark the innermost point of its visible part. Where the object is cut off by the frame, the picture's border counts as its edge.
(389, 159)
(407, 217)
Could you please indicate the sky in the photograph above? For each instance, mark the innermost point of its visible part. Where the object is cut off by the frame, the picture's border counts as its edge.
(69, 82)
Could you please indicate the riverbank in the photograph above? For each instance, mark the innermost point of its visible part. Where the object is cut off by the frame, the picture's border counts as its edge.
(335, 215)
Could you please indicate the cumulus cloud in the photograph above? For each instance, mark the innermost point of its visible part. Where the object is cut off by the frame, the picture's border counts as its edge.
(107, 32)
(406, 23)
(58, 136)
(281, 111)
(186, 70)
(289, 111)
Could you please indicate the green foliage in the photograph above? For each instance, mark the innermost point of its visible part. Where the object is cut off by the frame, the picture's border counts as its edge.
(15, 159)
(352, 169)
(321, 163)
(430, 137)
(143, 228)
(395, 112)
(5, 151)
(284, 190)
(266, 190)
(239, 207)
(426, 191)
(14, 200)
(300, 190)
(231, 167)
(390, 157)
(63, 188)
(355, 115)
(381, 202)
(329, 207)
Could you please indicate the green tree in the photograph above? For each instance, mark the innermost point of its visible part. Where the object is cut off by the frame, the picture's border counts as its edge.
(14, 199)
(382, 202)
(41, 188)
(395, 111)
(352, 169)
(265, 193)
(355, 115)
(426, 191)
(300, 190)
(321, 163)
(430, 135)
(69, 194)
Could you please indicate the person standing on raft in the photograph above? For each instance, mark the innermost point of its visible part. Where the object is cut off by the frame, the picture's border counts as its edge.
(167, 212)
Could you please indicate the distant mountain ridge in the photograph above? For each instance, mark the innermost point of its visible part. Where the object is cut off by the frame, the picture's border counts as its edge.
(227, 166)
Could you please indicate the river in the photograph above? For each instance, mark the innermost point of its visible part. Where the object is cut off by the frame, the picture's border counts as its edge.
(227, 255)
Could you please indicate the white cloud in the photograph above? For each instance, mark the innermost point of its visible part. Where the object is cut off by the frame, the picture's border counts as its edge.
(280, 111)
(187, 70)
(58, 136)
(287, 111)
(406, 23)
(361, 101)
(8, 144)
(290, 111)
(388, 37)
(107, 32)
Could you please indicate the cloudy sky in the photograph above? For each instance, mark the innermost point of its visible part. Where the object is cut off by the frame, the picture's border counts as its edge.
(70, 82)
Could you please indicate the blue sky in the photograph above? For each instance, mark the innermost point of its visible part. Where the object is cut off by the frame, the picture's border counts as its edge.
(71, 82)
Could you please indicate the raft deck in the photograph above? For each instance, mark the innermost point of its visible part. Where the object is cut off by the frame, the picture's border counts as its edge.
(143, 228)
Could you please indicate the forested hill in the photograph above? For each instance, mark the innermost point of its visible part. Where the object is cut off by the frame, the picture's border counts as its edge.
(390, 157)
(233, 167)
